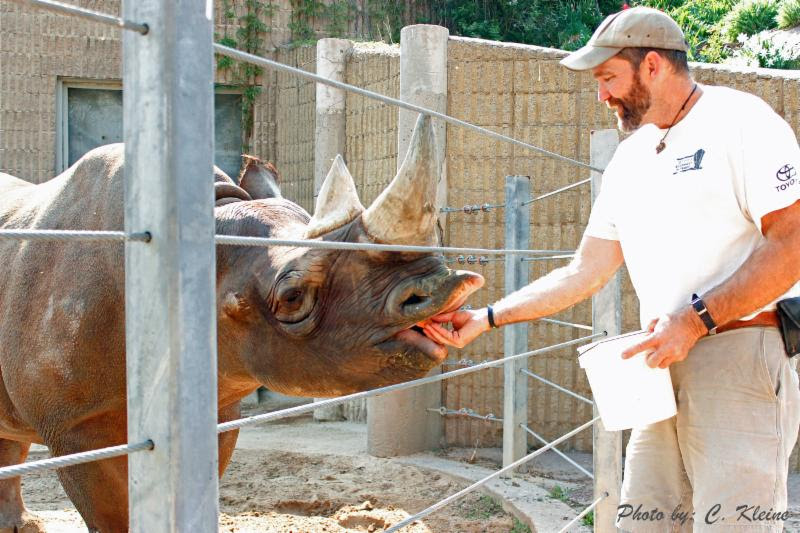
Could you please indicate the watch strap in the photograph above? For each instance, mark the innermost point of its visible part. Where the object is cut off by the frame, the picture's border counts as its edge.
(702, 311)
(490, 316)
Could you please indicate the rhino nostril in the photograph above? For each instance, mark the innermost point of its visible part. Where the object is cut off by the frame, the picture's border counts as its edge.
(415, 299)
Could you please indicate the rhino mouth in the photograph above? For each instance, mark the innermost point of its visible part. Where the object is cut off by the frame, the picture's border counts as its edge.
(413, 339)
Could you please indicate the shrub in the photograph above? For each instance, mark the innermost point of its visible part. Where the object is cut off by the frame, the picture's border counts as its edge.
(789, 14)
(749, 17)
(769, 50)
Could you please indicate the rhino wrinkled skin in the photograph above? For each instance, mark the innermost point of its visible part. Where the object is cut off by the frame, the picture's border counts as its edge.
(302, 322)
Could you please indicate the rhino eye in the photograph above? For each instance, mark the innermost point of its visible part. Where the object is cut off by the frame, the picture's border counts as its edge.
(294, 300)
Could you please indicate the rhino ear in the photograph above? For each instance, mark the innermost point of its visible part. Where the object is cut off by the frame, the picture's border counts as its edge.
(259, 178)
(337, 203)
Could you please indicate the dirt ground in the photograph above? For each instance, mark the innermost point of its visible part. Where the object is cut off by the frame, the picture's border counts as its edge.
(284, 491)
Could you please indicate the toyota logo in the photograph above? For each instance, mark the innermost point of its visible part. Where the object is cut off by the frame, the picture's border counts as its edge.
(786, 173)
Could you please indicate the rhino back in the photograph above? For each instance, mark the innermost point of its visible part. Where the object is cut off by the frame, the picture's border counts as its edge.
(62, 306)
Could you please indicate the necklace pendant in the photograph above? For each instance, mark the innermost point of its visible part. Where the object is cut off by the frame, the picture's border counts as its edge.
(660, 147)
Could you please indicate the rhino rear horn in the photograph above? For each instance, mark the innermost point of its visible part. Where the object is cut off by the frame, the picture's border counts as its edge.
(337, 202)
(405, 212)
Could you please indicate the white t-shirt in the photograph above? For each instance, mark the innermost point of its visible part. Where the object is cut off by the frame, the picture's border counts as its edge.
(687, 218)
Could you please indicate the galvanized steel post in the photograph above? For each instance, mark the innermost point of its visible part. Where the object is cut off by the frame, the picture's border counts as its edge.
(169, 282)
(606, 316)
(400, 423)
(515, 337)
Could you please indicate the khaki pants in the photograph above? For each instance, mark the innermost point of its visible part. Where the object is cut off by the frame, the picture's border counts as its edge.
(722, 462)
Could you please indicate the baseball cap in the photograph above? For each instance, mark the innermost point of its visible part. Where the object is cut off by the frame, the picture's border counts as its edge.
(643, 27)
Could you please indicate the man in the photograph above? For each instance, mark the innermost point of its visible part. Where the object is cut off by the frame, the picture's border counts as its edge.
(702, 198)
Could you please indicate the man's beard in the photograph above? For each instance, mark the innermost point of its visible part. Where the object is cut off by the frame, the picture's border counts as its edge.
(632, 107)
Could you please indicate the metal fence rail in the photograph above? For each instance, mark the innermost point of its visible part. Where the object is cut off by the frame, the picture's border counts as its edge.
(558, 452)
(583, 513)
(307, 408)
(450, 499)
(557, 387)
(275, 65)
(88, 14)
(465, 411)
(185, 29)
(72, 235)
(62, 461)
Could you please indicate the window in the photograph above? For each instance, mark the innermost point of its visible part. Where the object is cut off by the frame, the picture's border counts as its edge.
(89, 114)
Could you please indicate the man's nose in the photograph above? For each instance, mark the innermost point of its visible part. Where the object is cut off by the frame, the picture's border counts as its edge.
(602, 93)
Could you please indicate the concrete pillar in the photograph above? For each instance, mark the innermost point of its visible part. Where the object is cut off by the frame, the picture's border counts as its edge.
(329, 137)
(399, 423)
(329, 131)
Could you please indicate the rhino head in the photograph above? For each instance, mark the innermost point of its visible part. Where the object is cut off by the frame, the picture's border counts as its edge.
(315, 322)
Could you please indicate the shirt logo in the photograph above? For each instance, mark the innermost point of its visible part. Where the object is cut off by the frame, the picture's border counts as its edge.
(785, 173)
(689, 162)
(787, 176)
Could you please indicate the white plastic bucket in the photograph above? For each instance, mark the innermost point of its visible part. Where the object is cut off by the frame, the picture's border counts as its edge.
(628, 393)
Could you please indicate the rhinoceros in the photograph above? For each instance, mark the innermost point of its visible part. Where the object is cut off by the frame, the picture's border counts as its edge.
(301, 321)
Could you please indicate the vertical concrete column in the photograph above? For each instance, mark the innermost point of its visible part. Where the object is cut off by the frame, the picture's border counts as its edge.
(400, 423)
(329, 131)
(329, 136)
(606, 316)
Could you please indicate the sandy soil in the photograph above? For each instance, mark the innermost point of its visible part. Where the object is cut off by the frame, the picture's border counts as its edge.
(281, 491)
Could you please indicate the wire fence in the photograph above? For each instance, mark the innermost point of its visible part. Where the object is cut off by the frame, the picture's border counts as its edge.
(232, 240)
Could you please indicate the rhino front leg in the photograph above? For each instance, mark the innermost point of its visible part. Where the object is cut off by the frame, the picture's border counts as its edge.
(14, 518)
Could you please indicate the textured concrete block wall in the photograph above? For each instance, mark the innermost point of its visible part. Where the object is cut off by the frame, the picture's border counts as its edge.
(37, 48)
(371, 126)
(294, 131)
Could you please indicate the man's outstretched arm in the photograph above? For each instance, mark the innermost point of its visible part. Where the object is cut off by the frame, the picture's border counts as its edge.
(595, 262)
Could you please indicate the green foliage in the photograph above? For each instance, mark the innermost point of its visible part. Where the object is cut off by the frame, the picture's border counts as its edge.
(700, 21)
(749, 17)
(485, 507)
(566, 24)
(559, 493)
(248, 37)
(588, 520)
(519, 527)
(769, 50)
(789, 14)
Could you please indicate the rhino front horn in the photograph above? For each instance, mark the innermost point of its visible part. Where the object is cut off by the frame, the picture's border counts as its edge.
(405, 212)
(337, 203)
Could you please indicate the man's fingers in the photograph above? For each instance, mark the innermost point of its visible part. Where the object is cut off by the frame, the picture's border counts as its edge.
(443, 318)
(649, 343)
(441, 335)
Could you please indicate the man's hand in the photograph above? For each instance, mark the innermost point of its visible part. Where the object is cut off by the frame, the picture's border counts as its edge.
(671, 337)
(467, 326)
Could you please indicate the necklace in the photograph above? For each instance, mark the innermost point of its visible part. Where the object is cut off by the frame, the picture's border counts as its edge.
(662, 144)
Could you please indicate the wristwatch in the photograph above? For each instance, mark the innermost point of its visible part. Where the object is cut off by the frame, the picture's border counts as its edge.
(700, 308)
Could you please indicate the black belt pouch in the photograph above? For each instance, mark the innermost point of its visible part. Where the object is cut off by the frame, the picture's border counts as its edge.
(789, 314)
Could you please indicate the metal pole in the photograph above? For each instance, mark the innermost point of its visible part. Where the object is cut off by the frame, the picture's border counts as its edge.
(400, 423)
(169, 282)
(606, 316)
(515, 337)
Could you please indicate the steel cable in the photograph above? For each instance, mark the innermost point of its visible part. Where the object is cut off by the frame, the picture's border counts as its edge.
(301, 409)
(74, 459)
(95, 16)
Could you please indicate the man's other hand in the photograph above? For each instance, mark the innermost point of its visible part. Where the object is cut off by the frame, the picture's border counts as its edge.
(467, 326)
(671, 337)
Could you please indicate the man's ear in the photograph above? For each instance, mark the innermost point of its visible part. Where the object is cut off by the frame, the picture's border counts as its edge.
(652, 65)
